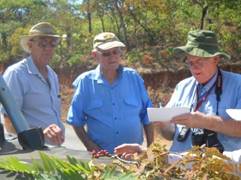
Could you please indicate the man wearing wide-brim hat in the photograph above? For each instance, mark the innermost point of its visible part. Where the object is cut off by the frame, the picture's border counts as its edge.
(208, 93)
(35, 85)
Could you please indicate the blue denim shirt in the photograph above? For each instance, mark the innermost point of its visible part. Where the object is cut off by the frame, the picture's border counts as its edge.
(185, 96)
(38, 99)
(114, 113)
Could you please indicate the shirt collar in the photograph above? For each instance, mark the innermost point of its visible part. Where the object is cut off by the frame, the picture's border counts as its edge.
(32, 69)
(99, 77)
(210, 83)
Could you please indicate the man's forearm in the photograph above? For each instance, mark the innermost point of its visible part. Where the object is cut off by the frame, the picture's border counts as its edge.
(8, 124)
(149, 134)
(167, 130)
(89, 144)
(167, 134)
(227, 127)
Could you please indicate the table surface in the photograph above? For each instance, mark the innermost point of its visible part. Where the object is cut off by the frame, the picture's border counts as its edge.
(12, 148)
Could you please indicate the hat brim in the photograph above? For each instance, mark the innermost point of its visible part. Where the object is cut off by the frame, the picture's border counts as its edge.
(195, 51)
(110, 45)
(24, 40)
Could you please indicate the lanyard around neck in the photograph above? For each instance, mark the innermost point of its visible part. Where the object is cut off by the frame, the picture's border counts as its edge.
(203, 98)
(218, 92)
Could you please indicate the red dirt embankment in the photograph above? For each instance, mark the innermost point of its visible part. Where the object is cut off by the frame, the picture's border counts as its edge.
(159, 82)
(155, 76)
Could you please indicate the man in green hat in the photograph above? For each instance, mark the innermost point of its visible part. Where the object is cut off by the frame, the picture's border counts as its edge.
(208, 93)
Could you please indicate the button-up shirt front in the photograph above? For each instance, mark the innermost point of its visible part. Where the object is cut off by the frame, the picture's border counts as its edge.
(185, 96)
(38, 99)
(114, 113)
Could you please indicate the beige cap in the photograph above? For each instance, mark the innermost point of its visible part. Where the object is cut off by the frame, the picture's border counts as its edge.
(107, 40)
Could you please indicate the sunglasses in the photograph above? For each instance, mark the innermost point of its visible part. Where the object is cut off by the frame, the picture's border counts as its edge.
(44, 43)
(109, 53)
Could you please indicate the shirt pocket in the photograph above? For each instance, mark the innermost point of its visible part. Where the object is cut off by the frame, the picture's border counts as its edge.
(212, 108)
(131, 102)
(94, 105)
(222, 111)
(132, 107)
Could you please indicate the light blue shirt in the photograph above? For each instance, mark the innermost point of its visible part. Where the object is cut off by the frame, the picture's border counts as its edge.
(38, 99)
(185, 96)
(114, 113)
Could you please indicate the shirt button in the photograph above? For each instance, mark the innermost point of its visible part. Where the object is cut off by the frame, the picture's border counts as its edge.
(115, 118)
(113, 103)
(117, 132)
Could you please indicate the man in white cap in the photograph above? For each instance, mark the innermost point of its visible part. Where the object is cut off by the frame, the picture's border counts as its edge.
(110, 100)
(35, 85)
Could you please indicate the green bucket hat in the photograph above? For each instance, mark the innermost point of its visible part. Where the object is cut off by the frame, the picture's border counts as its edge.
(202, 43)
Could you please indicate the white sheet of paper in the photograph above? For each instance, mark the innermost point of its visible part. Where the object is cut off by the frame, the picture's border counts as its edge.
(165, 114)
(234, 114)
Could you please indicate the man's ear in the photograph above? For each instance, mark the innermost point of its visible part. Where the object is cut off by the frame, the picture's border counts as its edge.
(217, 59)
(93, 53)
(29, 44)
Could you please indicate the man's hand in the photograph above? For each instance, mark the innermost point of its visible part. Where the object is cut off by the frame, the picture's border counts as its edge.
(54, 134)
(90, 146)
(167, 129)
(192, 120)
(160, 124)
(127, 150)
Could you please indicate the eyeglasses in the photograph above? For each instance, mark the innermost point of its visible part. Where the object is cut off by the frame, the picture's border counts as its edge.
(109, 53)
(199, 62)
(46, 43)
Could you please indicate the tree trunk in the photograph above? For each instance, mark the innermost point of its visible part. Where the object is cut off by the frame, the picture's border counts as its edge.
(89, 22)
(102, 23)
(204, 13)
(89, 17)
(122, 23)
(115, 20)
(149, 32)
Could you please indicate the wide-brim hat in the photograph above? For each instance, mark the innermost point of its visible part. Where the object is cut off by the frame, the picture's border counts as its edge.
(201, 43)
(42, 29)
(107, 40)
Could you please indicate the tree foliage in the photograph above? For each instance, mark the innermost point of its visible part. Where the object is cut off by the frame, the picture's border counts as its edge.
(144, 25)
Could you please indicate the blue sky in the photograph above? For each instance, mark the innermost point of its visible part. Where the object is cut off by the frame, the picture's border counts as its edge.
(75, 1)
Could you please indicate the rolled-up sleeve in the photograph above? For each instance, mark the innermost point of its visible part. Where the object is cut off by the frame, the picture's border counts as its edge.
(15, 85)
(146, 102)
